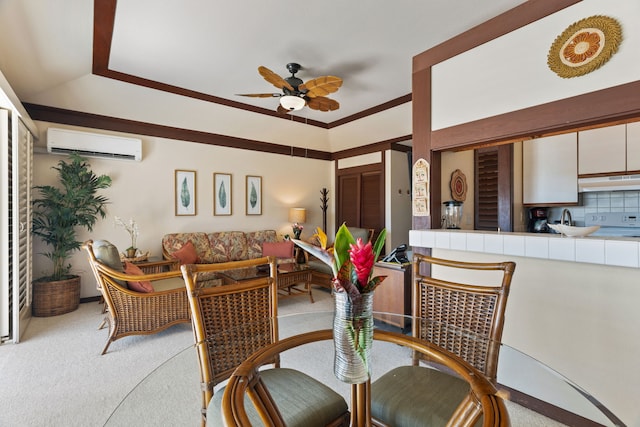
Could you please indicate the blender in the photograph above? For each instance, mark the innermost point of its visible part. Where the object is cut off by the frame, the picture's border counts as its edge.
(452, 217)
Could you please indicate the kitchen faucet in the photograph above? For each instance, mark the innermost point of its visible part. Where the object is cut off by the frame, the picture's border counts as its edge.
(567, 213)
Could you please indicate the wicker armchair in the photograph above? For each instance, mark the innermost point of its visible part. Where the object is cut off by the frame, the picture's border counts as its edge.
(135, 313)
(464, 319)
(232, 322)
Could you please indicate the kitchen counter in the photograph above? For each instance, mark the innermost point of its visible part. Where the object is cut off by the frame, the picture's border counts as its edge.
(604, 250)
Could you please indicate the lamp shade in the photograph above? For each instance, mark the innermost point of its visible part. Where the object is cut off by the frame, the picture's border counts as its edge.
(292, 103)
(298, 215)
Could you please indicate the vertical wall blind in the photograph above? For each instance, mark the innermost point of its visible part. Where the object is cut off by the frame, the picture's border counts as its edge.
(6, 239)
(15, 217)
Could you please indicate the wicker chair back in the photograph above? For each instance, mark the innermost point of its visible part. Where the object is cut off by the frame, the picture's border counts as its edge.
(465, 319)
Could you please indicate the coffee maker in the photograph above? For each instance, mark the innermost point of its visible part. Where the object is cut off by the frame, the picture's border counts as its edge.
(538, 221)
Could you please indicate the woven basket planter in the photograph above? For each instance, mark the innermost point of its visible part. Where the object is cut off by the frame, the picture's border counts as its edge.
(54, 298)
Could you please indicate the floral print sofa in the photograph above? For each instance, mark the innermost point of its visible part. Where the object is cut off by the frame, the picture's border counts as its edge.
(221, 246)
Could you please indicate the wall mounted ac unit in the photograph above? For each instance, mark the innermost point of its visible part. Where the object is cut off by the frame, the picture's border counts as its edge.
(65, 141)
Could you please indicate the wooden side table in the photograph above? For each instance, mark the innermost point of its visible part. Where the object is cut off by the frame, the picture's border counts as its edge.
(290, 275)
(157, 265)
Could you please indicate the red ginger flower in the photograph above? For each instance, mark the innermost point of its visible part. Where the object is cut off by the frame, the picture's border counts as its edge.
(362, 259)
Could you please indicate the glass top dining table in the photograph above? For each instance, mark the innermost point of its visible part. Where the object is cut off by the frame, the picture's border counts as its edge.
(176, 382)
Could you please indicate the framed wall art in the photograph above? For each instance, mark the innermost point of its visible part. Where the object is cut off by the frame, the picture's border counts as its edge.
(222, 194)
(185, 192)
(254, 195)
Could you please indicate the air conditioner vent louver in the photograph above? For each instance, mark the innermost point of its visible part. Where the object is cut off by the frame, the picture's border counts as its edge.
(64, 141)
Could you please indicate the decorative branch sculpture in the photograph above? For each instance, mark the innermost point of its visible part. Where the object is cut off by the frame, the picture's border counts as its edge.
(325, 200)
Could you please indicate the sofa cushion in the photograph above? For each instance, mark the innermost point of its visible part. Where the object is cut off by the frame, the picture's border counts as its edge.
(186, 254)
(228, 246)
(255, 239)
(141, 286)
(175, 241)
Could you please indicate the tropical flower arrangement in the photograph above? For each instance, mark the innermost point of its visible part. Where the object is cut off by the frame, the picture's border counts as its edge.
(351, 261)
(352, 264)
(132, 228)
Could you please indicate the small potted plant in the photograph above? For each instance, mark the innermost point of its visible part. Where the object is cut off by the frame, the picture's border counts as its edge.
(57, 214)
(132, 228)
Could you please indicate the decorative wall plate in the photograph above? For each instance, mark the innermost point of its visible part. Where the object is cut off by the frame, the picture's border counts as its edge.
(458, 185)
(584, 46)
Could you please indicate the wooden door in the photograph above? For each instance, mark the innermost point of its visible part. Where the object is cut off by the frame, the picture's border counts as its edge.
(360, 198)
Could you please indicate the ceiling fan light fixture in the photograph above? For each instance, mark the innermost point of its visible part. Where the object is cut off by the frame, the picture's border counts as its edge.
(292, 103)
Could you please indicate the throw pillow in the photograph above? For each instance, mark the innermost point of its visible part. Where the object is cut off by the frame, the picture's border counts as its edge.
(186, 254)
(134, 270)
(278, 249)
(107, 254)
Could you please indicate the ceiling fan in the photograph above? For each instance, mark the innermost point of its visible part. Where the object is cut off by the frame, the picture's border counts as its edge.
(296, 94)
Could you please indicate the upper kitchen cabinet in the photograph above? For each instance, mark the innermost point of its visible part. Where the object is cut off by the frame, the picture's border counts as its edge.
(633, 146)
(602, 150)
(550, 170)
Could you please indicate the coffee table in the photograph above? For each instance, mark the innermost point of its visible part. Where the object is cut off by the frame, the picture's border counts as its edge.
(289, 276)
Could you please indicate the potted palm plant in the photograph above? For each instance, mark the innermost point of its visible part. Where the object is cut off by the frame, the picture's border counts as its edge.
(57, 214)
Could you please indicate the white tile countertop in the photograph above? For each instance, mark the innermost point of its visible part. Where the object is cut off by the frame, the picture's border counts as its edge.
(614, 251)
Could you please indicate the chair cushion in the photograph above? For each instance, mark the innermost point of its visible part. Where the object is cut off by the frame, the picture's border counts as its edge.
(360, 233)
(302, 400)
(141, 286)
(107, 253)
(186, 254)
(169, 283)
(412, 396)
(278, 249)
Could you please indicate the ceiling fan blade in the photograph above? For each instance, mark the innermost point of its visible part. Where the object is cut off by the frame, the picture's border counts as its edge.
(323, 104)
(321, 86)
(260, 95)
(282, 110)
(274, 79)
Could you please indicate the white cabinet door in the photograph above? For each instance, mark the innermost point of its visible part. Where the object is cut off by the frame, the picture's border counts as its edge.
(633, 147)
(550, 170)
(602, 150)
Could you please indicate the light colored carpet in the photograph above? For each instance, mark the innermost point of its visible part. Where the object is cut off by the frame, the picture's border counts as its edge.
(57, 377)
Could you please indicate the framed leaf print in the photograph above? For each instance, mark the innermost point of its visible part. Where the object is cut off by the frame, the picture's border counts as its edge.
(254, 195)
(185, 192)
(222, 194)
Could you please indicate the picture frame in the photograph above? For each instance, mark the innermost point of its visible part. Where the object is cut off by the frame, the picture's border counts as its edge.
(222, 200)
(185, 192)
(253, 195)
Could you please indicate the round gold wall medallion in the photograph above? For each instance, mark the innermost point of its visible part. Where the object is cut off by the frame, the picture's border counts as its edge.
(584, 46)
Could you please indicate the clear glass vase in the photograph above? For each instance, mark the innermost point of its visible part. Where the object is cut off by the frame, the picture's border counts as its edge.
(352, 337)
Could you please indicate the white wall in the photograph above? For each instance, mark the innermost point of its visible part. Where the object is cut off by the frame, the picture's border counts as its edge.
(511, 72)
(145, 190)
(397, 199)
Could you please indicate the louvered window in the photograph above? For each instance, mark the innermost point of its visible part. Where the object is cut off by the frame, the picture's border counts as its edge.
(493, 188)
(15, 252)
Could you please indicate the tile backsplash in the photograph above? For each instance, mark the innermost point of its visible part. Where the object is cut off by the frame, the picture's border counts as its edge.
(599, 201)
